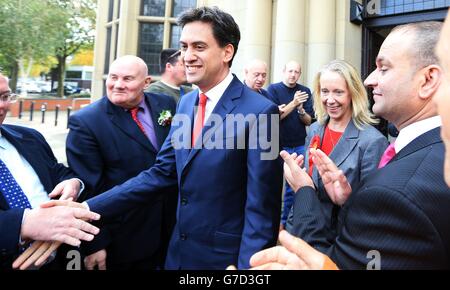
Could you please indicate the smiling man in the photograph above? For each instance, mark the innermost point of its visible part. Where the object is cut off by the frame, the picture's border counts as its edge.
(111, 141)
(229, 199)
(398, 218)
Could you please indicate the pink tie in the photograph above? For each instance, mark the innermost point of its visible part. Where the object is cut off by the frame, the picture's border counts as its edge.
(387, 156)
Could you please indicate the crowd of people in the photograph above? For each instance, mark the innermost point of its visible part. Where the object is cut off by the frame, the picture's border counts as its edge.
(157, 179)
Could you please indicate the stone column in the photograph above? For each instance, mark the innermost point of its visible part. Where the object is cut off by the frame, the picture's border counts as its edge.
(321, 35)
(289, 39)
(128, 28)
(99, 50)
(257, 36)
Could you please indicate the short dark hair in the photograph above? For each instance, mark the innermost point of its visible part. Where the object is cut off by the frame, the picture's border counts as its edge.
(225, 29)
(424, 41)
(168, 55)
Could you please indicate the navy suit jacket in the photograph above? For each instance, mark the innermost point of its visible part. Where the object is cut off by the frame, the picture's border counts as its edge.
(229, 199)
(105, 148)
(401, 211)
(33, 147)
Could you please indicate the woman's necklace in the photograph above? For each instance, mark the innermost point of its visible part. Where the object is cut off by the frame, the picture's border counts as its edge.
(331, 136)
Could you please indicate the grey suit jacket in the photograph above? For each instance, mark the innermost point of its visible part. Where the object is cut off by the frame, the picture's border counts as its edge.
(357, 154)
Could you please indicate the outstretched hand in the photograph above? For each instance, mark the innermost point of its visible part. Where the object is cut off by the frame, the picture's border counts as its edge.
(293, 254)
(39, 252)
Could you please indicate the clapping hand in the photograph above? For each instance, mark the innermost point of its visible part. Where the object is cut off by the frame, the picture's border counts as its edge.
(295, 175)
(333, 179)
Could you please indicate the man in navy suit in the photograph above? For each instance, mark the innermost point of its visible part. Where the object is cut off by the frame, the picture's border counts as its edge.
(106, 147)
(29, 166)
(229, 197)
(398, 218)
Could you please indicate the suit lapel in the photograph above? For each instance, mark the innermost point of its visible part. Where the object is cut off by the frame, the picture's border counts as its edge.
(346, 143)
(225, 106)
(424, 140)
(186, 107)
(122, 120)
(155, 109)
(27, 148)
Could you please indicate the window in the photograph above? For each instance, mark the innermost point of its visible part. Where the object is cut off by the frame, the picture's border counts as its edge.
(151, 44)
(179, 6)
(73, 75)
(117, 41)
(118, 8)
(393, 7)
(88, 76)
(153, 7)
(175, 33)
(158, 28)
(110, 10)
(108, 49)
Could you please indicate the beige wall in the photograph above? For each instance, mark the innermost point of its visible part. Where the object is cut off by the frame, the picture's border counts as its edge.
(312, 32)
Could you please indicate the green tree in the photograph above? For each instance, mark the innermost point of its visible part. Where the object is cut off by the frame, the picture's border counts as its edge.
(78, 32)
(27, 33)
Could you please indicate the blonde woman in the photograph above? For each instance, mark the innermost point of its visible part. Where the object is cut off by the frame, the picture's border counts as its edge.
(345, 133)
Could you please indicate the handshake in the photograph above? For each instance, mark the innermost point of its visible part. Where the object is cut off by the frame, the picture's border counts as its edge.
(54, 223)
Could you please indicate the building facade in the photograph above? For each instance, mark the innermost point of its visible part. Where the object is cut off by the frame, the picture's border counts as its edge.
(313, 32)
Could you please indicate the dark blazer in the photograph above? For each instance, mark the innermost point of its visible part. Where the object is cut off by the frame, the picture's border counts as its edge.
(105, 147)
(229, 199)
(33, 147)
(401, 211)
(357, 154)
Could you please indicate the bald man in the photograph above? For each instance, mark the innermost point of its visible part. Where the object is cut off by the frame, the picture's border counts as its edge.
(106, 147)
(255, 75)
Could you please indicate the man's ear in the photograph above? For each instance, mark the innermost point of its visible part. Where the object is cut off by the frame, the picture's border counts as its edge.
(430, 80)
(147, 81)
(228, 53)
(169, 66)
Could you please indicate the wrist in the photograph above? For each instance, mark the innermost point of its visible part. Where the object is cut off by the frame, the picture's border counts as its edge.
(301, 112)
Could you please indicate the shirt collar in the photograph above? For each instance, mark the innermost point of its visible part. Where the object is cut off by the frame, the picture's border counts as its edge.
(216, 92)
(170, 86)
(2, 140)
(411, 132)
(142, 105)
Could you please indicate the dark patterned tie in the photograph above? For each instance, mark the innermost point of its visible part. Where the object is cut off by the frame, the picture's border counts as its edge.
(14, 195)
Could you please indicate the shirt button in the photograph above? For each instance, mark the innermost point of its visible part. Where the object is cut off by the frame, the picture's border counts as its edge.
(183, 237)
(184, 201)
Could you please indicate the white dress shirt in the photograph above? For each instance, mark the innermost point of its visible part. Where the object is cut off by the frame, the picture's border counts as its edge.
(215, 94)
(411, 132)
(23, 173)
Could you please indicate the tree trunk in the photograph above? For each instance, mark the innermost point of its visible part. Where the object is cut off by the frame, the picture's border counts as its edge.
(61, 75)
(14, 76)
